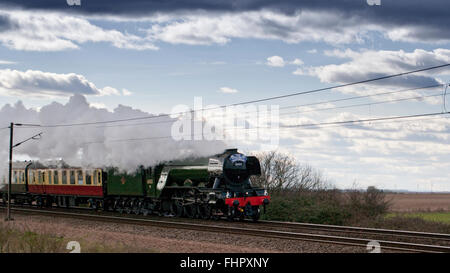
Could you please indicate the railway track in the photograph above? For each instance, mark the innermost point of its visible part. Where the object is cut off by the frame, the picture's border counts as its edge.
(261, 231)
(359, 230)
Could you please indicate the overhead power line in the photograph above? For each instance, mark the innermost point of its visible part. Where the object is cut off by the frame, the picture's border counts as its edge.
(286, 126)
(251, 101)
(294, 106)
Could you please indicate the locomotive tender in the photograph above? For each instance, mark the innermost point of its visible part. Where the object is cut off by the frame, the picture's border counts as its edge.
(199, 188)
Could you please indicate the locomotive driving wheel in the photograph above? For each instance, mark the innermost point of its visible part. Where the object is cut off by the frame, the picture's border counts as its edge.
(177, 209)
(256, 213)
(190, 211)
(205, 211)
(4, 198)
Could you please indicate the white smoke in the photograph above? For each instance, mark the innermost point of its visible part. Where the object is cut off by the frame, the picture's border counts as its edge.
(72, 144)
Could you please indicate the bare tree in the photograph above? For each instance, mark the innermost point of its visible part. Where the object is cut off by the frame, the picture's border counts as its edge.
(282, 172)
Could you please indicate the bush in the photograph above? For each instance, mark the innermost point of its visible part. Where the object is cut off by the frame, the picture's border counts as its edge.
(306, 207)
(327, 206)
(367, 204)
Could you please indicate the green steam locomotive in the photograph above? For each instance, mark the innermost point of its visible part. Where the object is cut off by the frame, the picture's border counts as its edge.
(204, 188)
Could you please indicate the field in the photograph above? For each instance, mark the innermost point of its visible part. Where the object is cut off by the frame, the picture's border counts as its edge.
(432, 207)
(442, 217)
(411, 202)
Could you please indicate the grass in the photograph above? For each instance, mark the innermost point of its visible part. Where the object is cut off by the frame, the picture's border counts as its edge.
(14, 240)
(440, 217)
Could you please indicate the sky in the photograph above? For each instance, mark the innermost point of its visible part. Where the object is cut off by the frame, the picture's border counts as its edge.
(121, 59)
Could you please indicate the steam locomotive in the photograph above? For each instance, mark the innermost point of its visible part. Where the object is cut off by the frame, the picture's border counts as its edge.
(204, 188)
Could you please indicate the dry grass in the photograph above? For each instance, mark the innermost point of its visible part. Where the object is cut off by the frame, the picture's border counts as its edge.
(411, 202)
(20, 238)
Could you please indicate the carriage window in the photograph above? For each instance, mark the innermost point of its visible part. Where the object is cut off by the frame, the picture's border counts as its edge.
(22, 177)
(55, 177)
(41, 177)
(72, 177)
(64, 177)
(88, 177)
(80, 177)
(31, 177)
(13, 178)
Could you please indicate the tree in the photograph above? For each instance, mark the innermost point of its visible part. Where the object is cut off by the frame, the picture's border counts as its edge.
(282, 172)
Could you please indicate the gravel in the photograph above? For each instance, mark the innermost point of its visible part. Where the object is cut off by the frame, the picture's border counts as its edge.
(137, 238)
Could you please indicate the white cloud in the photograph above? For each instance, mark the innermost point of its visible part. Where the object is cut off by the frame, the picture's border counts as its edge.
(37, 83)
(50, 31)
(403, 153)
(297, 62)
(333, 27)
(312, 51)
(228, 90)
(6, 62)
(98, 105)
(126, 92)
(203, 28)
(275, 61)
(368, 64)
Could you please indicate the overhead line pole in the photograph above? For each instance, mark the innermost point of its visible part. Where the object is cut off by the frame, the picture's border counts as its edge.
(11, 146)
(11, 136)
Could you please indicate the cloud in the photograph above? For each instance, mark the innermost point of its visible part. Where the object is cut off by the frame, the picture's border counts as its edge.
(54, 27)
(275, 61)
(369, 64)
(126, 92)
(228, 90)
(216, 22)
(37, 83)
(297, 61)
(406, 152)
(219, 28)
(312, 51)
(98, 105)
(43, 31)
(6, 62)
